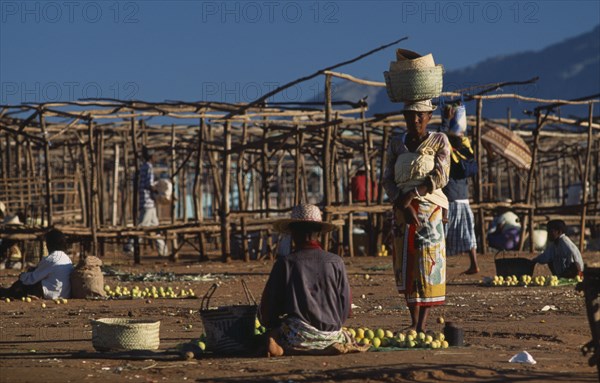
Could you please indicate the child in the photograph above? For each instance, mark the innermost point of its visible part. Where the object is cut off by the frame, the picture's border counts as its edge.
(561, 255)
(51, 278)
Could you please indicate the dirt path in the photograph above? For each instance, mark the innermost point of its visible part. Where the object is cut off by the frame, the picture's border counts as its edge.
(53, 344)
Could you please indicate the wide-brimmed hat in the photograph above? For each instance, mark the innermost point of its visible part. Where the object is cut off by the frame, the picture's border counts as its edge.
(303, 213)
(12, 220)
(419, 106)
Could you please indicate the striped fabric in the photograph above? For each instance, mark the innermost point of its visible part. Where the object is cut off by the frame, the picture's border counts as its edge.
(507, 144)
(460, 230)
(146, 182)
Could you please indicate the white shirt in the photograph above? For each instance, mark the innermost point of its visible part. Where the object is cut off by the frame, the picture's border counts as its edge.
(562, 253)
(55, 273)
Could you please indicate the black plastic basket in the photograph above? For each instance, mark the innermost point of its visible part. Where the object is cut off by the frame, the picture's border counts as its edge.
(506, 266)
(229, 329)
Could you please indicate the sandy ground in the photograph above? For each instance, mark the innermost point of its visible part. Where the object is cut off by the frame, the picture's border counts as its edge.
(53, 344)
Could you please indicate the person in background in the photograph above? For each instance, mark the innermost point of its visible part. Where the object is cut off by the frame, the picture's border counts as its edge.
(51, 278)
(358, 186)
(561, 255)
(147, 212)
(417, 168)
(307, 296)
(460, 227)
(504, 233)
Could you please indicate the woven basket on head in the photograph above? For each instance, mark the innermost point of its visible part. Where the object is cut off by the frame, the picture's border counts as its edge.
(417, 63)
(414, 85)
(112, 334)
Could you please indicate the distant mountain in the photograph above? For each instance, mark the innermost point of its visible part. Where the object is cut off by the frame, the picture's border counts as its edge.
(568, 69)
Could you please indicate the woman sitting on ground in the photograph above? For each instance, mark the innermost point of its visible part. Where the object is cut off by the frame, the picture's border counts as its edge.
(307, 296)
(51, 278)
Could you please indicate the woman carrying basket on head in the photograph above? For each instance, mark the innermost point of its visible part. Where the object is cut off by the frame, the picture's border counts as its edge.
(307, 296)
(417, 168)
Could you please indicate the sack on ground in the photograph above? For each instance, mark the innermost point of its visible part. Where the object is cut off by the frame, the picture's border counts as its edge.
(87, 280)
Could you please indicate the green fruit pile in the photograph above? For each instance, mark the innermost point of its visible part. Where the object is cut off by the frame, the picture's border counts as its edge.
(149, 292)
(259, 329)
(386, 338)
(192, 349)
(526, 280)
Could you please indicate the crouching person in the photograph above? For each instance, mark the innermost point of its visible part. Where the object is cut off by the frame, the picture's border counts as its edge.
(50, 279)
(307, 296)
(561, 255)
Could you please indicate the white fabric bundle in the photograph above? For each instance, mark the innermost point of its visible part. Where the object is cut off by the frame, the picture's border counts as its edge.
(164, 191)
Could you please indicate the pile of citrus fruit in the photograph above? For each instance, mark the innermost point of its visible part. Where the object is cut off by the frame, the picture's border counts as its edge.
(386, 338)
(149, 292)
(528, 280)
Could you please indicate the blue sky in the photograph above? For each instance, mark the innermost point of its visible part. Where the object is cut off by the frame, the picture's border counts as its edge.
(236, 50)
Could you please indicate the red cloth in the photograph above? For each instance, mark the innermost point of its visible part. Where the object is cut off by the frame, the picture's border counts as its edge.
(358, 185)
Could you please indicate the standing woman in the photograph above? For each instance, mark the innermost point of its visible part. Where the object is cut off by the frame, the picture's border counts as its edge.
(460, 230)
(416, 170)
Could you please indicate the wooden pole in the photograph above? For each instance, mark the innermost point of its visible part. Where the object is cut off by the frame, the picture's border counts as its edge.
(265, 186)
(136, 185)
(94, 189)
(198, 173)
(586, 176)
(529, 223)
(198, 189)
(115, 188)
(479, 188)
(126, 197)
(327, 158)
(350, 228)
(18, 172)
(242, 198)
(47, 170)
(225, 229)
(173, 254)
(297, 167)
(100, 176)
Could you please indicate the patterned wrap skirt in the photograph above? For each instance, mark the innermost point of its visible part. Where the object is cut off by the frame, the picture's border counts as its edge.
(460, 230)
(420, 256)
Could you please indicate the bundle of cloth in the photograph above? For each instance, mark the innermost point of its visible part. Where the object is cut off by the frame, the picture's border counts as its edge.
(163, 191)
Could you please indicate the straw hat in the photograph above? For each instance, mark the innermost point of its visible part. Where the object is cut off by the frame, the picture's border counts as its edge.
(303, 213)
(2, 208)
(12, 220)
(407, 60)
(419, 106)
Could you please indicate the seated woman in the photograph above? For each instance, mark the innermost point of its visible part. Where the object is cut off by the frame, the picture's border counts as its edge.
(51, 278)
(307, 296)
(504, 233)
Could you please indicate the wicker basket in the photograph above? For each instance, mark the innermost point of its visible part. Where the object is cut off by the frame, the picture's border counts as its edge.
(229, 329)
(415, 84)
(113, 334)
(506, 266)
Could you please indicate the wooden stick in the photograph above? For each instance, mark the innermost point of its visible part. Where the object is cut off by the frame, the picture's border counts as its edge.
(47, 173)
(225, 229)
(479, 195)
(586, 176)
(94, 189)
(317, 73)
(115, 188)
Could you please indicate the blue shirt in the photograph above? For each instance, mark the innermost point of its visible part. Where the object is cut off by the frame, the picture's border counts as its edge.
(311, 285)
(146, 182)
(562, 253)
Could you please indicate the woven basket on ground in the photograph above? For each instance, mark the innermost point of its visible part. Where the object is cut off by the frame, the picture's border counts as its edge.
(113, 334)
(415, 84)
(229, 329)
